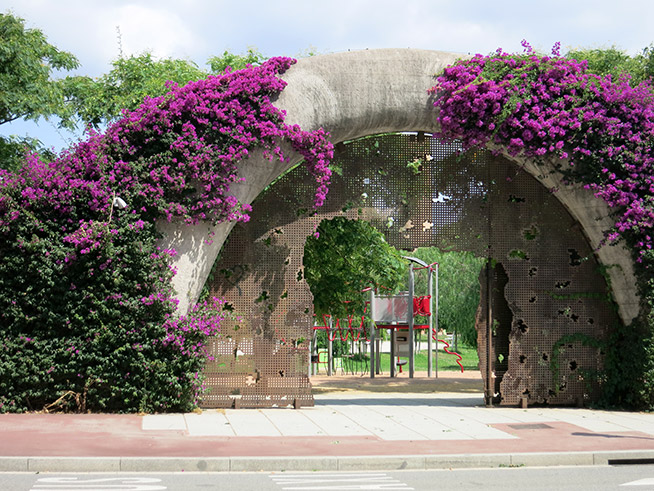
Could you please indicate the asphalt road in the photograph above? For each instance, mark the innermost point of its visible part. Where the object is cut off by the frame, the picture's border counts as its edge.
(626, 477)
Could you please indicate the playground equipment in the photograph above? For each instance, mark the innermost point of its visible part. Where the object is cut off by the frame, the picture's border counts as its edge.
(396, 314)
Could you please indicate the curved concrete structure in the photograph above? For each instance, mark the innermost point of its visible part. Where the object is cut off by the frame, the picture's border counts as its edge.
(362, 93)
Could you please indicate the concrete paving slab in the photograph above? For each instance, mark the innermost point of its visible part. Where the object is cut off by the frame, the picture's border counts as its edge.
(485, 415)
(468, 428)
(522, 415)
(334, 423)
(591, 422)
(629, 423)
(384, 427)
(293, 423)
(209, 423)
(164, 422)
(642, 421)
(423, 423)
(251, 422)
(607, 421)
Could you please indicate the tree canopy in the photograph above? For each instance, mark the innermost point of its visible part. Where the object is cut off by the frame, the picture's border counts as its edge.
(96, 102)
(616, 62)
(27, 87)
(345, 257)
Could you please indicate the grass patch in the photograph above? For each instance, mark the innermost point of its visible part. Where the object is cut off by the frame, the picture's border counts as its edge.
(446, 362)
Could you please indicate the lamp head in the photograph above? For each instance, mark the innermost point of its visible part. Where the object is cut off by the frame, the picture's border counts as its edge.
(119, 203)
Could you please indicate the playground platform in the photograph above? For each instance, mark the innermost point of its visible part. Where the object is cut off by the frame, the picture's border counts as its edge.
(357, 423)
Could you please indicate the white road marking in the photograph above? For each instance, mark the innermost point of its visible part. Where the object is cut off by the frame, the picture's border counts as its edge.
(641, 482)
(100, 484)
(340, 481)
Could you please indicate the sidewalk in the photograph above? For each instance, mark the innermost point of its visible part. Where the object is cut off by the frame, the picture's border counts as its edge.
(348, 429)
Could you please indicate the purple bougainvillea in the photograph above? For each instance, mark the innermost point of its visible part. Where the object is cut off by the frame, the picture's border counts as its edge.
(77, 272)
(548, 106)
(538, 106)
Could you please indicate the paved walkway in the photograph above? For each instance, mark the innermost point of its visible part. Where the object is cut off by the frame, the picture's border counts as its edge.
(347, 429)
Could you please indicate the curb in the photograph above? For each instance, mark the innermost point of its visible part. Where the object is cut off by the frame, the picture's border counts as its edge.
(347, 463)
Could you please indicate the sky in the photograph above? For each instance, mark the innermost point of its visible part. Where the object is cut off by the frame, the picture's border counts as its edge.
(97, 30)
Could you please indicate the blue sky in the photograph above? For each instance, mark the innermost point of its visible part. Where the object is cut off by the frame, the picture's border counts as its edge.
(197, 29)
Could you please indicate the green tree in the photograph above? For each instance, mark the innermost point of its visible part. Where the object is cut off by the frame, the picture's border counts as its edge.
(219, 64)
(616, 62)
(96, 102)
(346, 257)
(27, 87)
(458, 289)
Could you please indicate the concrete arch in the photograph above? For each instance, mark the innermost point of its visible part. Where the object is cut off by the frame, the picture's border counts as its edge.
(361, 93)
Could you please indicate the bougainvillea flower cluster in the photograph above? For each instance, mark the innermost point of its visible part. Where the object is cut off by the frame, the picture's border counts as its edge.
(538, 106)
(86, 302)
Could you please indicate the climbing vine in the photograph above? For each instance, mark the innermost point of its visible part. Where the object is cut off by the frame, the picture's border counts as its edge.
(601, 131)
(87, 310)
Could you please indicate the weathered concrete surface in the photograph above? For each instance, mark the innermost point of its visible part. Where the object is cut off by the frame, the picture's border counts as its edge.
(362, 93)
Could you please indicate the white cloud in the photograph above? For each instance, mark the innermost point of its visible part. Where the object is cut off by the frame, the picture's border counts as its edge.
(161, 32)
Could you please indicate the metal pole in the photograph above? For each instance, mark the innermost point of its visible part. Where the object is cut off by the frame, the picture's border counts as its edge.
(490, 385)
(456, 340)
(435, 314)
(393, 340)
(377, 354)
(489, 338)
(331, 348)
(410, 313)
(372, 336)
(431, 322)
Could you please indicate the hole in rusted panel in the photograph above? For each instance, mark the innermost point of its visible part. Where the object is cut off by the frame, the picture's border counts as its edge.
(502, 320)
(531, 233)
(520, 324)
(575, 258)
(573, 366)
(518, 254)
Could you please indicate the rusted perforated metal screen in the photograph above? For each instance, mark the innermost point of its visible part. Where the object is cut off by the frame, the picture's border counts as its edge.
(543, 288)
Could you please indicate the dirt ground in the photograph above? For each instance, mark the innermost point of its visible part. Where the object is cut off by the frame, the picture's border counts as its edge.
(468, 381)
